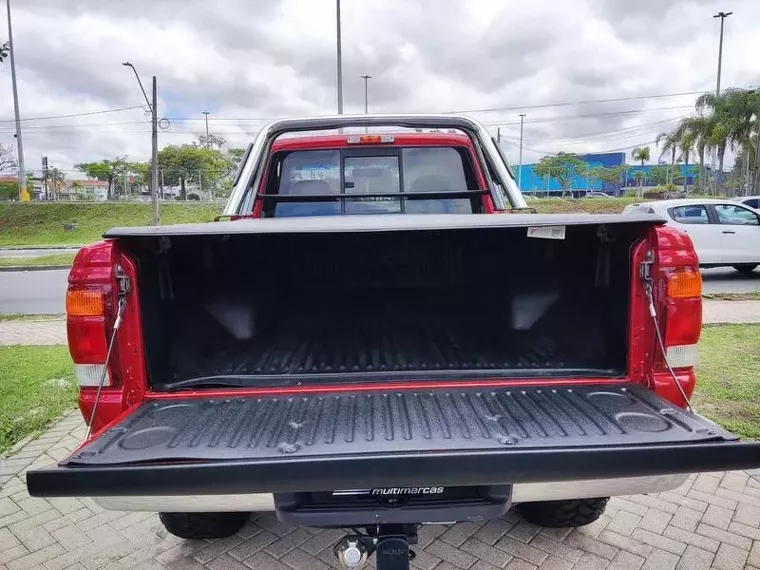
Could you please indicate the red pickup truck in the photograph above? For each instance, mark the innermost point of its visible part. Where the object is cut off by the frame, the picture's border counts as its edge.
(380, 336)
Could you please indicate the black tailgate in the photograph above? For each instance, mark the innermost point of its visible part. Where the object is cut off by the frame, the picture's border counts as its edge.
(364, 439)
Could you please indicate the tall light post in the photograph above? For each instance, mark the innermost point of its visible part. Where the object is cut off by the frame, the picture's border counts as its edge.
(208, 144)
(366, 92)
(340, 58)
(22, 192)
(722, 16)
(154, 141)
(519, 167)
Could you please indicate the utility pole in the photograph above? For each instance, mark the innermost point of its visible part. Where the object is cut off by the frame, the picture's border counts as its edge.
(22, 192)
(154, 155)
(519, 168)
(340, 59)
(366, 92)
(722, 16)
(154, 141)
(206, 113)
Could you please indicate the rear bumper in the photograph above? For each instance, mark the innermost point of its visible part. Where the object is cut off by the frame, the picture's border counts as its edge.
(521, 493)
(485, 467)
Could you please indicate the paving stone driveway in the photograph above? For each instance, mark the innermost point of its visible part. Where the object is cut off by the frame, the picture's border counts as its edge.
(713, 521)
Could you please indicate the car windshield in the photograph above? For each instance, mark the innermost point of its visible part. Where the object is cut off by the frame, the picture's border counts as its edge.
(372, 181)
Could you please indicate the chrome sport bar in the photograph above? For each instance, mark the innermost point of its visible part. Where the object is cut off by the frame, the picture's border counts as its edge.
(502, 185)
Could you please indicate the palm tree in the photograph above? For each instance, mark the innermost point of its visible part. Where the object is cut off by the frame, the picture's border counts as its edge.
(686, 141)
(669, 144)
(731, 119)
(640, 153)
(698, 128)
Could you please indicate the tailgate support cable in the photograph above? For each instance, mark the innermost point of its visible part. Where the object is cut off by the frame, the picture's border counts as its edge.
(649, 288)
(123, 281)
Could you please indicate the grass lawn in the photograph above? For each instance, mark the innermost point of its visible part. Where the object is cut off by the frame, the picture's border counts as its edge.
(36, 386)
(580, 206)
(31, 317)
(728, 378)
(54, 259)
(42, 223)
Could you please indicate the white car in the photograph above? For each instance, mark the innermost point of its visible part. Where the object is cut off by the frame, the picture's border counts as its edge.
(724, 232)
(751, 201)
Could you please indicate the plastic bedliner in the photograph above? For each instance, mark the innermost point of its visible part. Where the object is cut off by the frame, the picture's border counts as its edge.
(299, 347)
(345, 440)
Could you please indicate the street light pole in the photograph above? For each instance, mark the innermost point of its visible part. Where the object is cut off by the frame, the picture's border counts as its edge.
(154, 141)
(366, 92)
(340, 59)
(519, 168)
(22, 193)
(722, 16)
(206, 113)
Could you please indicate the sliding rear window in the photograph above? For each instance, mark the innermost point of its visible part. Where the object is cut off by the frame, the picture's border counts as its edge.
(371, 181)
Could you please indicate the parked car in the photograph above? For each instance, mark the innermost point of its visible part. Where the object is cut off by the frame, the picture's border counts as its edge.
(751, 201)
(724, 232)
(597, 194)
(381, 337)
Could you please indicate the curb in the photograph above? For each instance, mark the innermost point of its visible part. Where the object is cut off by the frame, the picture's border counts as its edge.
(50, 246)
(17, 268)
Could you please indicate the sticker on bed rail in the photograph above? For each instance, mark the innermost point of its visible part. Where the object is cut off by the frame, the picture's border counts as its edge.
(547, 232)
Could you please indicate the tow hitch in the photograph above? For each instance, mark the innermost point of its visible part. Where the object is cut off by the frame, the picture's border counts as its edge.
(389, 542)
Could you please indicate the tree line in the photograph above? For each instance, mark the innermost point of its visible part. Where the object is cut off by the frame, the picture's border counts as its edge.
(205, 164)
(730, 120)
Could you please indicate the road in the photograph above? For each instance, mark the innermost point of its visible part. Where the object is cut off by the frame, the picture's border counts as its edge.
(32, 291)
(728, 280)
(41, 252)
(43, 291)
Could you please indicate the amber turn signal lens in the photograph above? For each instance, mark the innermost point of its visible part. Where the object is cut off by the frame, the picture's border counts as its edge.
(684, 282)
(84, 303)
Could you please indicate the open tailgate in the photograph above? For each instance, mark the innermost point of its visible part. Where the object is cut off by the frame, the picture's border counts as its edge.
(366, 438)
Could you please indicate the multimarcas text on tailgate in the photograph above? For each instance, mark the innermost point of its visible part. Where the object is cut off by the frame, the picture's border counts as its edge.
(379, 334)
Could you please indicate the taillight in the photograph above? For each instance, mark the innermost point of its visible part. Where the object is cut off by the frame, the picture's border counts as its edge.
(90, 313)
(683, 315)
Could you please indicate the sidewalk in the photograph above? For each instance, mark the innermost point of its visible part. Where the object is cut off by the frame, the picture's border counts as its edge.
(44, 332)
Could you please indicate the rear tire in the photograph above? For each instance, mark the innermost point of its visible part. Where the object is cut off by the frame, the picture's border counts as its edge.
(564, 514)
(196, 526)
(746, 267)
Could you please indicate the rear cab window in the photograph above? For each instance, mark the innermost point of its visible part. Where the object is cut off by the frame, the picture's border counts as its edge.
(370, 180)
(691, 214)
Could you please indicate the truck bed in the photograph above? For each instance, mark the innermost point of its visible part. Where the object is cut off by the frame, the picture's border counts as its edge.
(303, 344)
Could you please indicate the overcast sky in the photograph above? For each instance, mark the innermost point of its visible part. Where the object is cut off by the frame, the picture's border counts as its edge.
(247, 61)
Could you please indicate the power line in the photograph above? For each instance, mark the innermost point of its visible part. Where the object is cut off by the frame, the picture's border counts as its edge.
(583, 102)
(75, 114)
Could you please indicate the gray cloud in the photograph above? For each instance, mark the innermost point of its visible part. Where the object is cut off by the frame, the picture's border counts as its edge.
(277, 58)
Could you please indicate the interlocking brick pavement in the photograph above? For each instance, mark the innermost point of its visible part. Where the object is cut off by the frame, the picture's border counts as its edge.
(42, 332)
(713, 521)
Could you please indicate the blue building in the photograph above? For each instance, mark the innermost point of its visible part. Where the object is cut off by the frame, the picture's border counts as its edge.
(531, 182)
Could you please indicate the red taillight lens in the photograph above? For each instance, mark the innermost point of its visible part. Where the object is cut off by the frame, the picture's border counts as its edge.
(87, 339)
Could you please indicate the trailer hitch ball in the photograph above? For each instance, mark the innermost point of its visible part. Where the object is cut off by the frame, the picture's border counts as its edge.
(351, 551)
